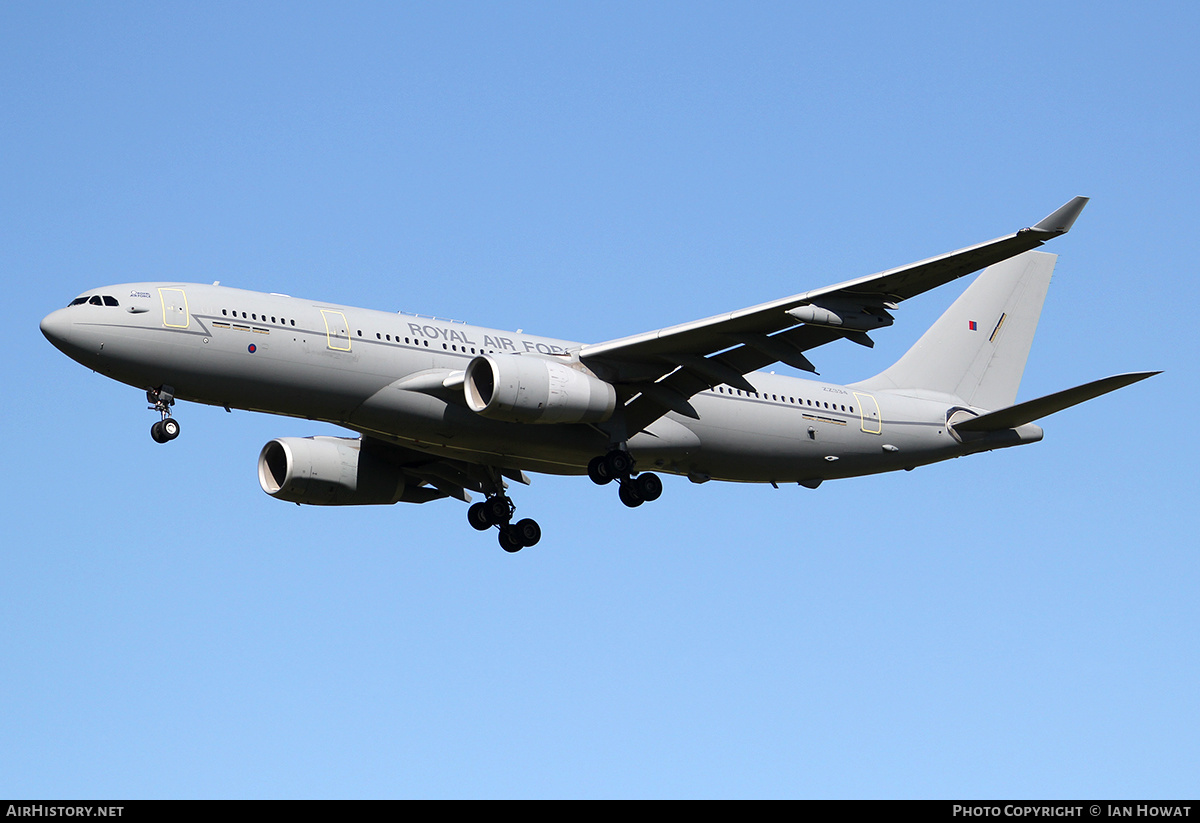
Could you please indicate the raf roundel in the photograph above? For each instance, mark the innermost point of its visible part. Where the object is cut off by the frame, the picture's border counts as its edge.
(252, 348)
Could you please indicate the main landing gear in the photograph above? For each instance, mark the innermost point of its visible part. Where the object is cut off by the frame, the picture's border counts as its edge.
(497, 510)
(161, 400)
(618, 465)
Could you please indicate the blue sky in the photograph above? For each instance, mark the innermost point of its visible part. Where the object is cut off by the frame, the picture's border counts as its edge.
(1018, 624)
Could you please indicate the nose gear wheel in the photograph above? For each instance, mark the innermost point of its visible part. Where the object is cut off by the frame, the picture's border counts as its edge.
(161, 400)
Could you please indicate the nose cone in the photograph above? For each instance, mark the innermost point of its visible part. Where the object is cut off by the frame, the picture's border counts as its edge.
(57, 327)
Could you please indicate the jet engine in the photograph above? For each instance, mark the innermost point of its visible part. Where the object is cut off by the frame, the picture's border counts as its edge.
(531, 389)
(327, 471)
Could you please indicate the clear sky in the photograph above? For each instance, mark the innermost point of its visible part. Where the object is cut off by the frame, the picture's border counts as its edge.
(1023, 623)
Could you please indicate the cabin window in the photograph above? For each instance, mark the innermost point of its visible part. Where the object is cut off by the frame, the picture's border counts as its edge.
(96, 301)
(78, 301)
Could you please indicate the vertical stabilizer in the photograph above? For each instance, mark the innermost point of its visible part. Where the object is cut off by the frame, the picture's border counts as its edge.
(977, 350)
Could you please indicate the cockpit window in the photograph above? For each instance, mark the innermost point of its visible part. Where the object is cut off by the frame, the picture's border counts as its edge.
(95, 300)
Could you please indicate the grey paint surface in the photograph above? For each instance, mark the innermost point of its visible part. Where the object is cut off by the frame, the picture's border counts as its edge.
(398, 379)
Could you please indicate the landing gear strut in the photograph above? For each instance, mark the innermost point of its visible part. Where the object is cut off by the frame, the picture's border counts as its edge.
(497, 510)
(618, 465)
(161, 400)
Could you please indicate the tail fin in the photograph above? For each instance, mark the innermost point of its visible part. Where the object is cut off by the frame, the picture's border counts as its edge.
(977, 350)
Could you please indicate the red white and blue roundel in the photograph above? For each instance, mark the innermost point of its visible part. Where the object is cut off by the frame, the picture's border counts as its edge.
(253, 348)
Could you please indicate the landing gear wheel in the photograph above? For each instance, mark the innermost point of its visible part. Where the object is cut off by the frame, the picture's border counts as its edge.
(156, 433)
(478, 517)
(528, 532)
(499, 510)
(170, 428)
(619, 463)
(629, 495)
(648, 486)
(509, 540)
(598, 471)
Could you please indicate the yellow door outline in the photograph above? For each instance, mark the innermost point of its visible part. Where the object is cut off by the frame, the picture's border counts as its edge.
(868, 411)
(337, 330)
(175, 308)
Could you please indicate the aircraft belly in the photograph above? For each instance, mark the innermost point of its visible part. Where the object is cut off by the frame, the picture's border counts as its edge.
(667, 444)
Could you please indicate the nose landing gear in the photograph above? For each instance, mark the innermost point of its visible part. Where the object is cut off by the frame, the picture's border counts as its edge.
(161, 400)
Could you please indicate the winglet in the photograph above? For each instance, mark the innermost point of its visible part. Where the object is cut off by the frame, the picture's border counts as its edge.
(1061, 221)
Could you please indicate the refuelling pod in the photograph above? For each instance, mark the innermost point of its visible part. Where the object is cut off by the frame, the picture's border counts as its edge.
(531, 389)
(327, 471)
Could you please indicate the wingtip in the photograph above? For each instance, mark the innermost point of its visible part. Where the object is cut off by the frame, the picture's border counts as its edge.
(1129, 378)
(1060, 221)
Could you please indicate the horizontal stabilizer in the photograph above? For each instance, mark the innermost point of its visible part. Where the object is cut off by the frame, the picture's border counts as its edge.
(1031, 410)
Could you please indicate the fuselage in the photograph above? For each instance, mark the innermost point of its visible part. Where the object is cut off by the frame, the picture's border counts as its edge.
(382, 374)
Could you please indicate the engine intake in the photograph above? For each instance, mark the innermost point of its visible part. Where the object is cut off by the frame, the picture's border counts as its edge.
(327, 471)
(531, 389)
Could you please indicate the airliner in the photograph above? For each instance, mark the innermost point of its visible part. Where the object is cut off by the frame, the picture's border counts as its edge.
(442, 409)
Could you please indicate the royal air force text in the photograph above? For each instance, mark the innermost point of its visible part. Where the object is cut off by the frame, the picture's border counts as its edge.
(492, 342)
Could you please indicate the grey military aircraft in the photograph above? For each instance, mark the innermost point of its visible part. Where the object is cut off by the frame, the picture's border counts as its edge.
(443, 409)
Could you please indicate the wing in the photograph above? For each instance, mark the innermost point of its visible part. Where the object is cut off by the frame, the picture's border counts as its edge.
(432, 478)
(659, 371)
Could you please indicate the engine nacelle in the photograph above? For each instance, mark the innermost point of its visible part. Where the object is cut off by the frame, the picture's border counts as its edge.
(327, 471)
(531, 389)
